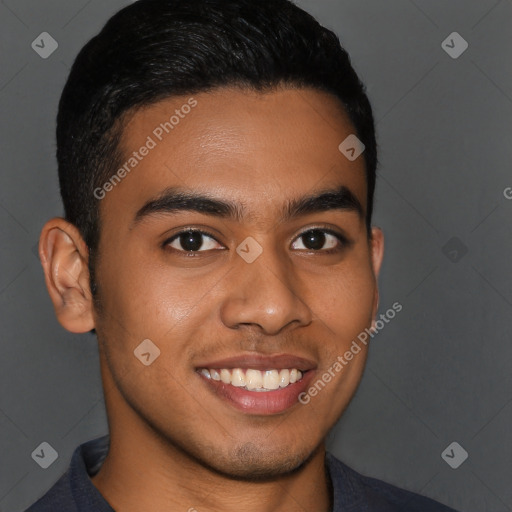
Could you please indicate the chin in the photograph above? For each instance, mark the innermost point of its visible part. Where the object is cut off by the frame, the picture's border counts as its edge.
(249, 462)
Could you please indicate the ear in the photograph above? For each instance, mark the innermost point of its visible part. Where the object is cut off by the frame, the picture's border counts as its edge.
(377, 254)
(64, 256)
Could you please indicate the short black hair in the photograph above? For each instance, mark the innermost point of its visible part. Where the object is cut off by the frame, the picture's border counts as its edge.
(155, 49)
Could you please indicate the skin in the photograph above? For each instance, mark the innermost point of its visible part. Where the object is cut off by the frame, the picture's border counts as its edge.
(175, 445)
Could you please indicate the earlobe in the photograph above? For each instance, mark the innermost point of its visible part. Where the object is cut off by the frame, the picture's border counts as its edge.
(64, 257)
(377, 247)
(377, 255)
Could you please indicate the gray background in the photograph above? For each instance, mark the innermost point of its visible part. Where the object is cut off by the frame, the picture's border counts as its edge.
(437, 373)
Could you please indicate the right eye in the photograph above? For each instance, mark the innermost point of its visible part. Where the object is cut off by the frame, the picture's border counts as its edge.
(191, 241)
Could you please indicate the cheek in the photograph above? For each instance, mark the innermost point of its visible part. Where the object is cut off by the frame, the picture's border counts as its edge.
(346, 300)
(345, 310)
(144, 298)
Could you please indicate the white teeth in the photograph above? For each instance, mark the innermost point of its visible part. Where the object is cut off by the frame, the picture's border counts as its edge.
(284, 378)
(225, 376)
(254, 380)
(271, 379)
(238, 378)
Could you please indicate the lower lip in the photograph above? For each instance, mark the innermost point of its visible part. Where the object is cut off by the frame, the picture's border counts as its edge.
(260, 402)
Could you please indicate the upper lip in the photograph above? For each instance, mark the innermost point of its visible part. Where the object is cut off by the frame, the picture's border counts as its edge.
(261, 362)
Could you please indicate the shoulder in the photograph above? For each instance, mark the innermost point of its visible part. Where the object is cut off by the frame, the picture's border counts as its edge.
(74, 490)
(370, 494)
(59, 497)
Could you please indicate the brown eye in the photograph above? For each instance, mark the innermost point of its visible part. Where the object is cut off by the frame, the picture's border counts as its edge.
(321, 240)
(192, 240)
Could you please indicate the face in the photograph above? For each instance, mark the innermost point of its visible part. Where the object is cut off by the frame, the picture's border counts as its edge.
(262, 293)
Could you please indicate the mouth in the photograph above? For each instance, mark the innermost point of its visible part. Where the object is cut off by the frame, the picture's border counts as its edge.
(252, 379)
(258, 384)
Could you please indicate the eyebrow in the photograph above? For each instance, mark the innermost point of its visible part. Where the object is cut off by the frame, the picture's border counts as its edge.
(177, 199)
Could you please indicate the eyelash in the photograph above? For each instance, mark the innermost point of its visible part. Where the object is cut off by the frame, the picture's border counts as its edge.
(344, 242)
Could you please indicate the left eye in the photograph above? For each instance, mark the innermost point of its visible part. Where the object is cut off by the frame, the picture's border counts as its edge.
(316, 238)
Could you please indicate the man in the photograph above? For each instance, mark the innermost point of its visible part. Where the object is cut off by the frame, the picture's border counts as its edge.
(217, 167)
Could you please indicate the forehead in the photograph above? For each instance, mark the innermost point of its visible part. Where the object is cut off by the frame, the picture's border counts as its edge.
(258, 149)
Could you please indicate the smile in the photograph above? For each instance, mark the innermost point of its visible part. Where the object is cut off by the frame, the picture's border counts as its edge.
(257, 384)
(253, 379)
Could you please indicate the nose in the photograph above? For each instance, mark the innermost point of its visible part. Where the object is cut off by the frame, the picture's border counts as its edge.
(266, 293)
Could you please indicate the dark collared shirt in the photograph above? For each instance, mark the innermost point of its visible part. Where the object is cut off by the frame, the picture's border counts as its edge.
(352, 492)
